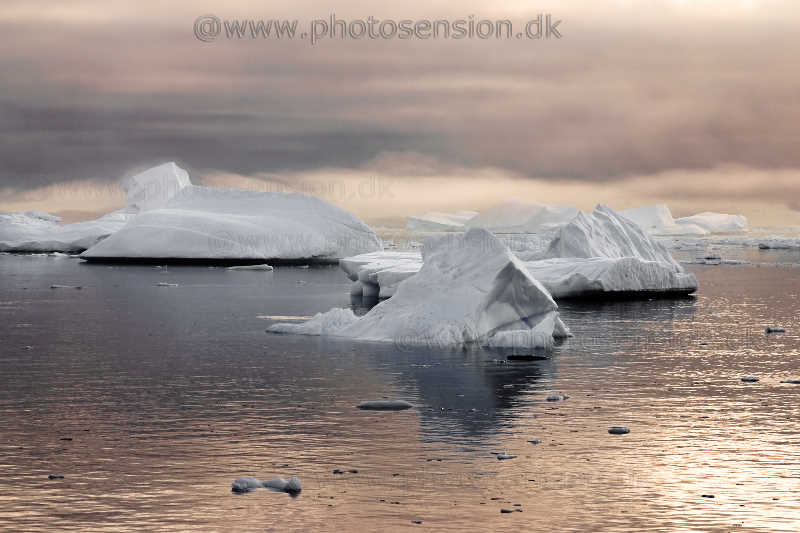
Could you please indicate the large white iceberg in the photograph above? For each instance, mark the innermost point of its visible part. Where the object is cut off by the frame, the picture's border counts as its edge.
(38, 232)
(715, 222)
(470, 289)
(599, 254)
(201, 223)
(435, 221)
(657, 220)
(522, 218)
(154, 187)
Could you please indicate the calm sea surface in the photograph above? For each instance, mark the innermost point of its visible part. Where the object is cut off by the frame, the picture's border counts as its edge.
(151, 400)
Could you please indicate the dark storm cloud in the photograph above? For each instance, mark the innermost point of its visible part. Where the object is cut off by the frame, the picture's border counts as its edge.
(626, 92)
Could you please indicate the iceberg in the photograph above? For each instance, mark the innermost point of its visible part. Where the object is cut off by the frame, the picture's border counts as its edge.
(657, 220)
(470, 289)
(604, 253)
(512, 217)
(435, 221)
(601, 254)
(715, 222)
(202, 223)
(36, 232)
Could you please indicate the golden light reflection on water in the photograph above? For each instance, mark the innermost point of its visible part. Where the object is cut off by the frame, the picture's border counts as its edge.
(161, 425)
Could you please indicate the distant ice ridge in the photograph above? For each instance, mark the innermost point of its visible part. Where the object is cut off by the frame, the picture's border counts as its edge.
(35, 231)
(657, 220)
(599, 254)
(435, 221)
(469, 289)
(513, 217)
(208, 223)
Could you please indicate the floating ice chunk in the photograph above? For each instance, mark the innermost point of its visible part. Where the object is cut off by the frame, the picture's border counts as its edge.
(513, 217)
(435, 221)
(619, 430)
(264, 267)
(203, 223)
(715, 222)
(470, 289)
(557, 397)
(247, 484)
(154, 187)
(384, 405)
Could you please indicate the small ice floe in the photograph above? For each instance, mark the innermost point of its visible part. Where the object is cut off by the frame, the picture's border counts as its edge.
(55, 476)
(774, 329)
(78, 287)
(384, 405)
(165, 284)
(557, 397)
(792, 381)
(247, 483)
(503, 456)
(263, 268)
(618, 430)
(749, 379)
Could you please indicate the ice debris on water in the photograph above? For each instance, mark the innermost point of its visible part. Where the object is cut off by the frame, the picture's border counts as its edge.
(247, 483)
(557, 397)
(264, 267)
(384, 405)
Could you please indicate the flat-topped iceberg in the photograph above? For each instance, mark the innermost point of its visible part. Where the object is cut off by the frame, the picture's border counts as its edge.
(514, 217)
(470, 289)
(36, 232)
(204, 223)
(435, 221)
(715, 222)
(657, 220)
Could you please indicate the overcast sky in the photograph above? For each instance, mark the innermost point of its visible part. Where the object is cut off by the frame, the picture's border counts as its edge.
(695, 103)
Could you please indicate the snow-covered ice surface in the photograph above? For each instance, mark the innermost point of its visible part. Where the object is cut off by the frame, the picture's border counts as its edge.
(435, 221)
(470, 289)
(522, 218)
(204, 223)
(39, 232)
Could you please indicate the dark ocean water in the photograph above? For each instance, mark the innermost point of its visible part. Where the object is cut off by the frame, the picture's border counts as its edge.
(170, 393)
